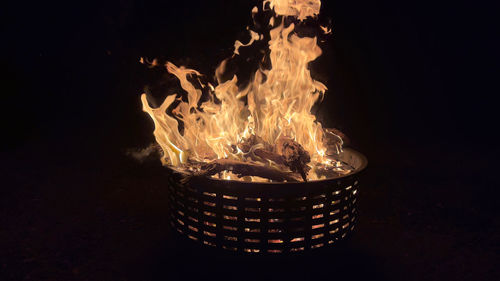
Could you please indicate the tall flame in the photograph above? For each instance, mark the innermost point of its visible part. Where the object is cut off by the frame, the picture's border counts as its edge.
(277, 102)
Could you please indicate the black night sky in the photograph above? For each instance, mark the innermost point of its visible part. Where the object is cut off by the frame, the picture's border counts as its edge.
(411, 83)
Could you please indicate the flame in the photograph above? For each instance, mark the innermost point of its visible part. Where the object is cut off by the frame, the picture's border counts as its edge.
(326, 29)
(300, 9)
(277, 102)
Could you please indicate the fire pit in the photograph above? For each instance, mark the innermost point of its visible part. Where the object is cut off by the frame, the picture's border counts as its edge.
(251, 168)
(251, 217)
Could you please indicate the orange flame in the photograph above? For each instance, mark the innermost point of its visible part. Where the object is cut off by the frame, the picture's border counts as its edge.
(278, 100)
(300, 9)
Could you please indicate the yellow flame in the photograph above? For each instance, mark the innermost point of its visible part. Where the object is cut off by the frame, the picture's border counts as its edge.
(278, 100)
(300, 9)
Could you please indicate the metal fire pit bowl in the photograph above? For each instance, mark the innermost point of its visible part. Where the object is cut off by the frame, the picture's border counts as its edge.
(272, 218)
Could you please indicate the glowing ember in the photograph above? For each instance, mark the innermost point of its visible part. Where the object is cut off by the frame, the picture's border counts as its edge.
(251, 133)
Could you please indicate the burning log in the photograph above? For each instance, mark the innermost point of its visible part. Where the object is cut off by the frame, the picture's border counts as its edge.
(286, 152)
(243, 169)
(258, 150)
(295, 156)
(289, 160)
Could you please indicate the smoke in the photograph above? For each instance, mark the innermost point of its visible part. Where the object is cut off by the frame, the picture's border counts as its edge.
(152, 152)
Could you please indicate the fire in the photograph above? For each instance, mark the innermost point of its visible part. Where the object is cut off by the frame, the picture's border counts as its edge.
(300, 9)
(276, 104)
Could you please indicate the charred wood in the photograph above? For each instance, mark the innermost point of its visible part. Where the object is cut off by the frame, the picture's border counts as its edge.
(243, 169)
(295, 156)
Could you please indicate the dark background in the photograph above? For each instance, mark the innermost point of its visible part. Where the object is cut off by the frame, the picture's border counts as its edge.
(411, 83)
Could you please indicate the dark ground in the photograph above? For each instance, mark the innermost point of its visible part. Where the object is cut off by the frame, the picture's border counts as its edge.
(410, 84)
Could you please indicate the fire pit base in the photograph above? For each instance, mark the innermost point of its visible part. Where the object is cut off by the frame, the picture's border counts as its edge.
(267, 218)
